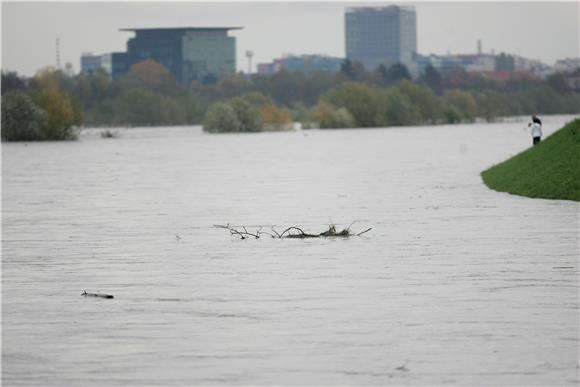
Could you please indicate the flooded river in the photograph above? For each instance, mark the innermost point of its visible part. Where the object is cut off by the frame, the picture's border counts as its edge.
(456, 284)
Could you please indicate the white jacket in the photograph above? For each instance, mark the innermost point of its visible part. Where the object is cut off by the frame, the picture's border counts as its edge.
(536, 130)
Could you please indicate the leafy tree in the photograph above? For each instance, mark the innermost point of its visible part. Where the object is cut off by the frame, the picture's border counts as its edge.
(396, 73)
(100, 82)
(302, 113)
(105, 113)
(329, 116)
(431, 78)
(362, 101)
(284, 87)
(22, 120)
(232, 85)
(209, 79)
(84, 91)
(452, 114)
(142, 107)
(519, 83)
(47, 79)
(207, 92)
(398, 109)
(379, 76)
(192, 107)
(463, 101)
(558, 82)
(492, 104)
(248, 116)
(355, 71)
(173, 112)
(391, 76)
(92, 88)
(221, 117)
(12, 82)
(257, 99)
(547, 101)
(424, 100)
(237, 115)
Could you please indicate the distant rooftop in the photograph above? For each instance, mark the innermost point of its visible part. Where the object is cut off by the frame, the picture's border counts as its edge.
(379, 9)
(181, 29)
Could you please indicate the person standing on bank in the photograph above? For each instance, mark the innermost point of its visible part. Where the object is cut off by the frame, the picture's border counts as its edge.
(536, 129)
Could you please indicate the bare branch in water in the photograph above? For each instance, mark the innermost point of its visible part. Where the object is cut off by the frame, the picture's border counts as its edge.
(243, 233)
(360, 233)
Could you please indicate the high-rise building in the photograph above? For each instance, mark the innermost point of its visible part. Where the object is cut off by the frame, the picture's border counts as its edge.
(381, 35)
(188, 53)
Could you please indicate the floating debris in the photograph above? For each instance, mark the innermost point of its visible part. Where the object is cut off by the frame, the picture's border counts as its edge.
(290, 232)
(100, 295)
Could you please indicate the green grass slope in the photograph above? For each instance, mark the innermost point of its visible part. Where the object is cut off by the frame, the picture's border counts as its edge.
(550, 170)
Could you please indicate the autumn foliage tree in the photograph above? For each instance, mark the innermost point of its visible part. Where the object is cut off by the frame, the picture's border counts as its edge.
(151, 75)
(276, 118)
(61, 112)
(45, 112)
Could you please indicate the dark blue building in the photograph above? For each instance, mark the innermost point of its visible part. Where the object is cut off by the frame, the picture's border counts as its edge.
(189, 53)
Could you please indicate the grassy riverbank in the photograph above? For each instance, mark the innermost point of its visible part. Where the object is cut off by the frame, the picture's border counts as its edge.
(550, 170)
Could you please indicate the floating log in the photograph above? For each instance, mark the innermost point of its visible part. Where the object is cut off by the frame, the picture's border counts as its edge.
(100, 295)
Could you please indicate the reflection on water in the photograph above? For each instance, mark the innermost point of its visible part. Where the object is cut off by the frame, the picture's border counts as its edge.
(455, 284)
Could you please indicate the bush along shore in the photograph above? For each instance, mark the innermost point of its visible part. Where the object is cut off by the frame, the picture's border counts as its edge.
(549, 170)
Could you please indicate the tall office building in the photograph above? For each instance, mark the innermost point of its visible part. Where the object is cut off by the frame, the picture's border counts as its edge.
(381, 35)
(189, 53)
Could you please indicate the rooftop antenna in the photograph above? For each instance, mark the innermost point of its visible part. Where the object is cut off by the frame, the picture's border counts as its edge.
(249, 55)
(58, 53)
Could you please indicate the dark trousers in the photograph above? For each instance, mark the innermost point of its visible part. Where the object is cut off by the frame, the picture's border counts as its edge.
(537, 140)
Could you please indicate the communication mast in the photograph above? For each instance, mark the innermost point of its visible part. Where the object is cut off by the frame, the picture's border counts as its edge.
(249, 55)
(58, 53)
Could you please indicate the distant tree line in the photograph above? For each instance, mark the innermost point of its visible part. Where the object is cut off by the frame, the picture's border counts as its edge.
(50, 104)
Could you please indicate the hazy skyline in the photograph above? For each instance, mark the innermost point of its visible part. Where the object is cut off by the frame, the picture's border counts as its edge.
(536, 30)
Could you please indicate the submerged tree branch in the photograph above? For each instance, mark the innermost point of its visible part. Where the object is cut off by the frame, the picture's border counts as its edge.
(291, 232)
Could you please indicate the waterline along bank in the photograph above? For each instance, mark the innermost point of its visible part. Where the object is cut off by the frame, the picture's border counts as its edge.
(550, 170)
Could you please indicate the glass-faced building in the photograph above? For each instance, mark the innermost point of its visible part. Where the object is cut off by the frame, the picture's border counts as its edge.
(190, 54)
(381, 35)
(91, 63)
(307, 64)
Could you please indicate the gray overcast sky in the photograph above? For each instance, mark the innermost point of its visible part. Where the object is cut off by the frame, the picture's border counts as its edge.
(537, 30)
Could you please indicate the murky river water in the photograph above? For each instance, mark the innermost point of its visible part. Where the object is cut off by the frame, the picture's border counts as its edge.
(456, 284)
